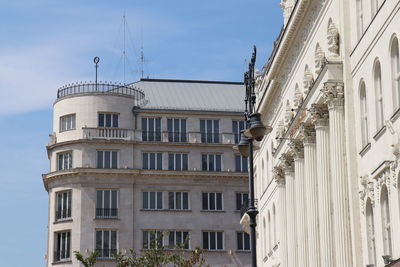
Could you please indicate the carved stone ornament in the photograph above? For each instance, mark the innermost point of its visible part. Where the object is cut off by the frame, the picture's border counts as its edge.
(319, 59)
(383, 179)
(287, 162)
(333, 93)
(367, 191)
(297, 98)
(280, 131)
(319, 114)
(297, 147)
(308, 80)
(288, 114)
(307, 131)
(279, 175)
(287, 8)
(333, 40)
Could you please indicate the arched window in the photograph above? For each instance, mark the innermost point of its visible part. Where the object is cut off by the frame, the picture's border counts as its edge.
(378, 95)
(395, 64)
(370, 226)
(386, 227)
(360, 18)
(274, 224)
(269, 232)
(363, 114)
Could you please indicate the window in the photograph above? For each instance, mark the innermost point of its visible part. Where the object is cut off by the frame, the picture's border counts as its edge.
(152, 161)
(243, 241)
(63, 205)
(177, 130)
(240, 163)
(242, 200)
(178, 200)
(67, 123)
(386, 227)
(178, 162)
(212, 201)
(237, 127)
(211, 162)
(107, 204)
(360, 18)
(209, 130)
(108, 120)
(107, 159)
(378, 95)
(152, 200)
(62, 246)
(395, 64)
(370, 232)
(178, 239)
(64, 160)
(106, 243)
(152, 239)
(213, 240)
(151, 129)
(364, 114)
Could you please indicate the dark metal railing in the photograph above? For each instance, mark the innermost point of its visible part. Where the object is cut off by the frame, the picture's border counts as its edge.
(102, 88)
(151, 136)
(181, 137)
(63, 214)
(106, 253)
(106, 213)
(210, 138)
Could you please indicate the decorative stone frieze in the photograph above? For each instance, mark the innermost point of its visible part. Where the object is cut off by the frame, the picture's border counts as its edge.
(334, 94)
(298, 97)
(367, 191)
(382, 179)
(319, 114)
(319, 59)
(333, 40)
(308, 80)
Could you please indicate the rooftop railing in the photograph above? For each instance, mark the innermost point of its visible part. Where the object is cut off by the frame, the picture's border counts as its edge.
(84, 88)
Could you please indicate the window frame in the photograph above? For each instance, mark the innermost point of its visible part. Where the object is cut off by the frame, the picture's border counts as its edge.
(175, 201)
(67, 208)
(215, 162)
(101, 250)
(104, 159)
(243, 199)
(179, 135)
(158, 235)
(156, 200)
(112, 119)
(58, 257)
(175, 245)
(69, 161)
(364, 114)
(158, 160)
(208, 133)
(209, 197)
(102, 214)
(175, 156)
(209, 241)
(155, 134)
(237, 128)
(71, 124)
(243, 161)
(245, 243)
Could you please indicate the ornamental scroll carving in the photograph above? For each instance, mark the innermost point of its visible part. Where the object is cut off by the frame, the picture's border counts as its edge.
(367, 191)
(333, 39)
(279, 175)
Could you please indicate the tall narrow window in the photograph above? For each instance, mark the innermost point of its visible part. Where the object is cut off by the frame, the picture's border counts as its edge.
(360, 18)
(386, 227)
(209, 130)
(107, 159)
(152, 239)
(151, 129)
(63, 205)
(62, 246)
(64, 160)
(106, 243)
(243, 241)
(178, 200)
(178, 240)
(212, 201)
(378, 95)
(211, 162)
(152, 161)
(67, 122)
(178, 161)
(107, 204)
(363, 114)
(370, 232)
(177, 130)
(240, 163)
(242, 200)
(109, 120)
(237, 127)
(213, 240)
(395, 64)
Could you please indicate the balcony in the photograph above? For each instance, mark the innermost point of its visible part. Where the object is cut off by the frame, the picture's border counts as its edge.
(108, 133)
(106, 213)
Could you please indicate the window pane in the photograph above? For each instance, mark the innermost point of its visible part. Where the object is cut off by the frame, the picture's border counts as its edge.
(246, 241)
(60, 161)
(179, 238)
(107, 158)
(158, 129)
(106, 241)
(238, 201)
(115, 120)
(178, 200)
(185, 200)
(114, 159)
(144, 129)
(107, 199)
(113, 241)
(159, 161)
(170, 130)
(212, 240)
(183, 130)
(212, 201)
(178, 162)
(152, 161)
(145, 200)
(219, 240)
(99, 235)
(151, 129)
(237, 163)
(239, 241)
(99, 159)
(185, 162)
(101, 120)
(145, 239)
(159, 200)
(216, 131)
(202, 131)
(186, 239)
(205, 240)
(176, 130)
(171, 200)
(170, 161)
(205, 201)
(204, 162)
(218, 162)
(113, 199)
(209, 131)
(152, 200)
(145, 161)
(219, 201)
(211, 162)
(171, 239)
(108, 120)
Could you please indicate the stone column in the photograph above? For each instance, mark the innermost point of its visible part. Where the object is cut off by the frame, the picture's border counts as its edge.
(301, 209)
(311, 193)
(288, 168)
(319, 114)
(279, 177)
(334, 97)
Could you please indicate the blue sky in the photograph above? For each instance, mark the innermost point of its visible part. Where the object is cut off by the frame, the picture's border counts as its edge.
(45, 44)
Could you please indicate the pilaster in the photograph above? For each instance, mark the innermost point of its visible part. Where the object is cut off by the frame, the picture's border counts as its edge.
(279, 177)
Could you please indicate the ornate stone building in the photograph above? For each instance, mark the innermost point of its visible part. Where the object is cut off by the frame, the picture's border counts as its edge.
(328, 175)
(147, 164)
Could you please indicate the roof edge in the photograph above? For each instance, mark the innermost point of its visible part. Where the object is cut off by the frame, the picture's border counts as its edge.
(189, 81)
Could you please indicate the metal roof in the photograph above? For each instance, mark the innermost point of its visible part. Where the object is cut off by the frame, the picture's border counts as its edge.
(192, 95)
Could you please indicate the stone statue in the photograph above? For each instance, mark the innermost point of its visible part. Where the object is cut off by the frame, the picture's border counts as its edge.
(308, 80)
(333, 40)
(319, 59)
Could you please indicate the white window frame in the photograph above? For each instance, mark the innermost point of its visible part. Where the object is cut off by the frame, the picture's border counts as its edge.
(158, 235)
(380, 114)
(113, 116)
(395, 68)
(68, 122)
(177, 245)
(181, 131)
(243, 248)
(244, 197)
(237, 127)
(66, 160)
(216, 240)
(175, 206)
(364, 114)
(213, 133)
(370, 228)
(214, 162)
(175, 156)
(104, 159)
(110, 204)
(146, 131)
(102, 249)
(156, 198)
(208, 208)
(243, 164)
(62, 255)
(66, 205)
(156, 160)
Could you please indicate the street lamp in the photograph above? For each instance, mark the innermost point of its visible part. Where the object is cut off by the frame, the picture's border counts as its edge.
(255, 130)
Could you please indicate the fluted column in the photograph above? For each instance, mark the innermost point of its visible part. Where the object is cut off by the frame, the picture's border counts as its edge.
(311, 193)
(301, 209)
(319, 113)
(290, 210)
(333, 92)
(279, 177)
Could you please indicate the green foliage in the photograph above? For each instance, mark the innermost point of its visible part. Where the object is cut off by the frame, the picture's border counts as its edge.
(89, 261)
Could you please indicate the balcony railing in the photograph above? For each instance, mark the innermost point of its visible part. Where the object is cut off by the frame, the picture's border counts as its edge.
(178, 137)
(85, 88)
(106, 213)
(106, 253)
(108, 133)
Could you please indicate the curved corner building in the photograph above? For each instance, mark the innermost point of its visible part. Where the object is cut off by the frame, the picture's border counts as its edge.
(147, 164)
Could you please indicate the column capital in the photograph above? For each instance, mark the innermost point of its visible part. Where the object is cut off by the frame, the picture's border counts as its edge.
(319, 115)
(287, 163)
(333, 94)
(279, 175)
(296, 145)
(307, 130)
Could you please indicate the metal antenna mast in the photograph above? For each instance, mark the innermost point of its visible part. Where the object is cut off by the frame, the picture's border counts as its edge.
(96, 62)
(124, 52)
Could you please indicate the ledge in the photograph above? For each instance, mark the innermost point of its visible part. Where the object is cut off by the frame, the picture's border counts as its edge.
(365, 149)
(69, 220)
(395, 115)
(213, 211)
(167, 210)
(106, 218)
(62, 262)
(380, 133)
